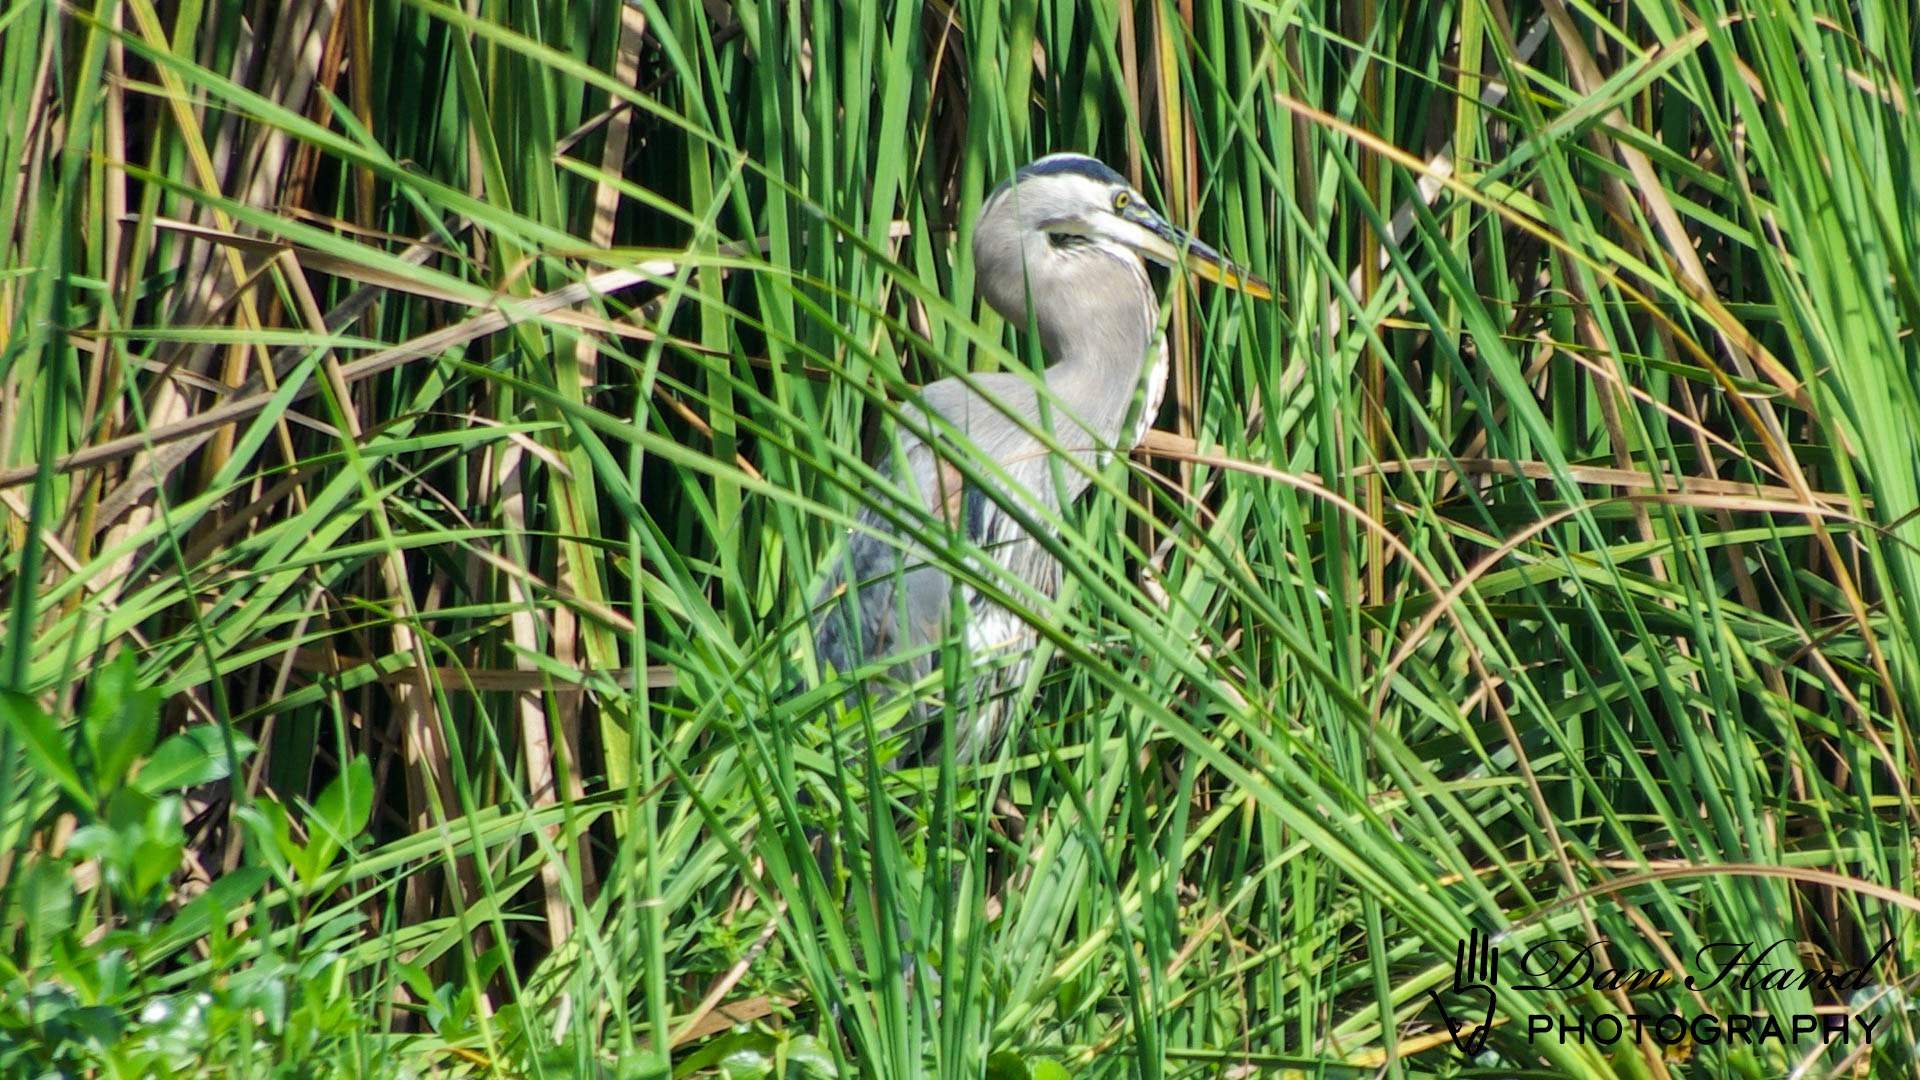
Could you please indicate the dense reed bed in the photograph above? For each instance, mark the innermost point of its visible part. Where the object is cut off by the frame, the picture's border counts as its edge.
(424, 427)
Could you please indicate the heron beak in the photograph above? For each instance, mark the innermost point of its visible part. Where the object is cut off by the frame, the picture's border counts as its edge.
(1169, 246)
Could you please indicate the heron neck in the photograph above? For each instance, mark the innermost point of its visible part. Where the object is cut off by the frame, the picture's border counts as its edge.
(1100, 389)
(1101, 345)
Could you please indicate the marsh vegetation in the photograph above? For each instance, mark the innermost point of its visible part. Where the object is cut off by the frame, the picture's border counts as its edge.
(425, 426)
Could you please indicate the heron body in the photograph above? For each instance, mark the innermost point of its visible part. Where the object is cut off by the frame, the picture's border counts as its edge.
(1061, 247)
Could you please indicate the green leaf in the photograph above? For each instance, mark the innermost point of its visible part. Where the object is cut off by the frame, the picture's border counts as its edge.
(1007, 1065)
(195, 756)
(416, 979)
(339, 815)
(746, 1063)
(46, 747)
(127, 812)
(811, 1055)
(46, 900)
(121, 720)
(198, 918)
(266, 821)
(157, 853)
(746, 1053)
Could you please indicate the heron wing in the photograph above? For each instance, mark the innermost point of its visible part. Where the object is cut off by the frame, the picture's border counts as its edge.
(884, 597)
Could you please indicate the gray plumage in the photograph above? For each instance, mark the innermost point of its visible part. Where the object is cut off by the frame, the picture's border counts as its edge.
(1069, 233)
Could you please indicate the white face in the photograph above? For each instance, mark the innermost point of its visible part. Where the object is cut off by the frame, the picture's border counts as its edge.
(1063, 198)
(1075, 204)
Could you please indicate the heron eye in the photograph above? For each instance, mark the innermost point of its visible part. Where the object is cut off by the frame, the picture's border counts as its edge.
(1121, 199)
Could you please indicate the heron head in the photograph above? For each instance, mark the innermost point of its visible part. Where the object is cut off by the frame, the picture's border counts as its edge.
(1064, 206)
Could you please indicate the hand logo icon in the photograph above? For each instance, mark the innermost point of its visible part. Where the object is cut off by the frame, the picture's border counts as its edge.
(1476, 970)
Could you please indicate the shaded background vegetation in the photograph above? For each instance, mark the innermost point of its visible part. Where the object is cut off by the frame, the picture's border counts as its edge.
(423, 423)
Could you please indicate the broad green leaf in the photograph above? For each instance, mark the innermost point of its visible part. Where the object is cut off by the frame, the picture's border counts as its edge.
(192, 757)
(46, 746)
(339, 814)
(46, 900)
(1007, 1065)
(121, 720)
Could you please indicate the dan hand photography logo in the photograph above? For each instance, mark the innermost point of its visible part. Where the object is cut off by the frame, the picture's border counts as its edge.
(1572, 963)
(1476, 968)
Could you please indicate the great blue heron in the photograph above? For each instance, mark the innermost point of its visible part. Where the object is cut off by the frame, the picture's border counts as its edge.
(1071, 234)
